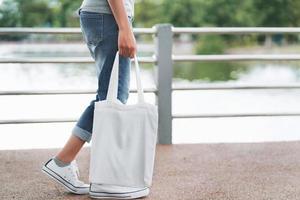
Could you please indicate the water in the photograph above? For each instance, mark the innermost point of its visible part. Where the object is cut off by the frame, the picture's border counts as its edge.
(82, 76)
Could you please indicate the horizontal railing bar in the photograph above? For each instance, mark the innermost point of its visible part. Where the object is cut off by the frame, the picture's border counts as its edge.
(245, 87)
(75, 30)
(235, 30)
(30, 121)
(236, 115)
(64, 60)
(240, 57)
(176, 58)
(147, 90)
(51, 92)
(55, 120)
(208, 30)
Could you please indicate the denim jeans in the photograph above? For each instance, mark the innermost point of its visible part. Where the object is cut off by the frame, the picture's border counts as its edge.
(100, 32)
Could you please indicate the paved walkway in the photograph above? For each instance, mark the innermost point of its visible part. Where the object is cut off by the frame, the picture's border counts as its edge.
(261, 171)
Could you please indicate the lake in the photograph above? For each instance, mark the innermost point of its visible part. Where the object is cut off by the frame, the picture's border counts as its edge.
(202, 130)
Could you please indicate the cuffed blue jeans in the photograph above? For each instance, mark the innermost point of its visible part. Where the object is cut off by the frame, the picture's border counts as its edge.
(100, 32)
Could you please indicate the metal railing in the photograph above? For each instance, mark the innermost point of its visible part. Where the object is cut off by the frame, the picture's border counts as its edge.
(163, 59)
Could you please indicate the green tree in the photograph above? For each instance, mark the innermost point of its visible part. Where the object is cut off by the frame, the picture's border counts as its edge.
(35, 13)
(147, 13)
(9, 14)
(229, 13)
(183, 13)
(10, 17)
(65, 12)
(277, 12)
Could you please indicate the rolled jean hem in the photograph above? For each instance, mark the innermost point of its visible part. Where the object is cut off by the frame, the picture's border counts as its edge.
(81, 133)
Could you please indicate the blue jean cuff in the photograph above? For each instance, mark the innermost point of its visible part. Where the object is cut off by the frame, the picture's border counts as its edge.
(81, 133)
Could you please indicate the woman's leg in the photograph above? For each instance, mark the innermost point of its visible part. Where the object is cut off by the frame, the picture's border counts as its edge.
(103, 45)
(70, 150)
(101, 34)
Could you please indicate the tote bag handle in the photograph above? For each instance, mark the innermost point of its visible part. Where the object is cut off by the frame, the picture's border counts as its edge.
(114, 78)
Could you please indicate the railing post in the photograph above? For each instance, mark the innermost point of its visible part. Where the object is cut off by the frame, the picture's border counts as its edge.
(163, 52)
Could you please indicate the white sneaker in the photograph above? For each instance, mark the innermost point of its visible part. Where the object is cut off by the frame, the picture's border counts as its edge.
(102, 191)
(66, 176)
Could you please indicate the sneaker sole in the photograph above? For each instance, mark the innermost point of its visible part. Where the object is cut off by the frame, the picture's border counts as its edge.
(62, 181)
(124, 195)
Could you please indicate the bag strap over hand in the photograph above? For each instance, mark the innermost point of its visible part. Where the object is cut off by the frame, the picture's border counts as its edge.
(114, 78)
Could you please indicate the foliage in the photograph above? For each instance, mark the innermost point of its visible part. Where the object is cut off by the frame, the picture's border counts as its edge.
(10, 17)
(277, 12)
(34, 13)
(181, 13)
(212, 71)
(9, 13)
(149, 12)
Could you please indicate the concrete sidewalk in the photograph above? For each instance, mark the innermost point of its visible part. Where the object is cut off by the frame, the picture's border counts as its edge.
(261, 171)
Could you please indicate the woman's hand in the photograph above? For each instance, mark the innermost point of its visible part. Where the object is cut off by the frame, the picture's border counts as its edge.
(126, 43)
(126, 40)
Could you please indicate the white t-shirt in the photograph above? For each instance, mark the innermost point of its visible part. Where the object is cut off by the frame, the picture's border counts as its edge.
(102, 6)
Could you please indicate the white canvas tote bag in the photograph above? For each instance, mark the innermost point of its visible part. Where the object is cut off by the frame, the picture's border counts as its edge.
(123, 137)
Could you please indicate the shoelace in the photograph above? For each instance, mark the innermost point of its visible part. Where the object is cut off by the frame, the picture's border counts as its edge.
(75, 168)
(75, 172)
